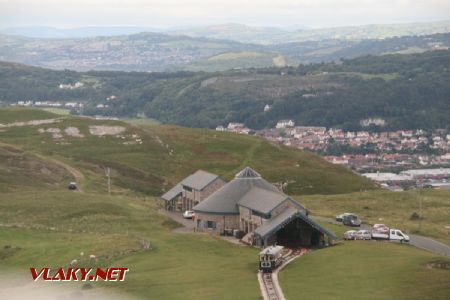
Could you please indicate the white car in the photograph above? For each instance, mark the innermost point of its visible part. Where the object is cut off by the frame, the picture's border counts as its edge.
(349, 235)
(363, 235)
(189, 214)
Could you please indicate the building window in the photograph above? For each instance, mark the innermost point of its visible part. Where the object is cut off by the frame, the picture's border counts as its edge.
(262, 215)
(211, 224)
(186, 188)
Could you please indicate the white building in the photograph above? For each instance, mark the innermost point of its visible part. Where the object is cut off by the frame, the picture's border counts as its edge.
(285, 124)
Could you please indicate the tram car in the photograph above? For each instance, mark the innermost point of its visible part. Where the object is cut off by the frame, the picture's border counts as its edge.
(270, 258)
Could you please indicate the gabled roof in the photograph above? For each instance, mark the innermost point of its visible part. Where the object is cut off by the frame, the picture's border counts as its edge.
(286, 217)
(199, 180)
(227, 198)
(172, 193)
(262, 200)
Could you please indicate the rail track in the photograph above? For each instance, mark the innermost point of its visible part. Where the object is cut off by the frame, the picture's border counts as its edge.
(269, 285)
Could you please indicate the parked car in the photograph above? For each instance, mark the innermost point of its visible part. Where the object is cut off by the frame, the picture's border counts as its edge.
(72, 185)
(351, 220)
(339, 218)
(380, 228)
(189, 214)
(349, 235)
(363, 235)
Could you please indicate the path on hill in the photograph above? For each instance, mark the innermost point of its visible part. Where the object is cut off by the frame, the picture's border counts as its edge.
(78, 176)
(415, 240)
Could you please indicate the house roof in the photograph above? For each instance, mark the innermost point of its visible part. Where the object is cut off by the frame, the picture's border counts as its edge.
(226, 199)
(199, 180)
(286, 217)
(172, 193)
(262, 200)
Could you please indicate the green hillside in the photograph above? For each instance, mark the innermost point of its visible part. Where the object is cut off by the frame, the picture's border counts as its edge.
(45, 225)
(150, 159)
(407, 91)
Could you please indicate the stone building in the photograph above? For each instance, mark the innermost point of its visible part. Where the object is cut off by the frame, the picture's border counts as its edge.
(258, 210)
(192, 190)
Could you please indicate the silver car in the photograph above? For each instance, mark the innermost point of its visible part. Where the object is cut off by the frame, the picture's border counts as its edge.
(363, 235)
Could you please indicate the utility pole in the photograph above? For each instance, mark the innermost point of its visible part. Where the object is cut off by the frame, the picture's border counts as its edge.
(420, 207)
(108, 175)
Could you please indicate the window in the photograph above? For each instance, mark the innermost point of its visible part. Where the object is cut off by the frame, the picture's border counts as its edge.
(211, 224)
(186, 188)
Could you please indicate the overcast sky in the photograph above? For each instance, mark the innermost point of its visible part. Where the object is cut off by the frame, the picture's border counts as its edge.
(167, 13)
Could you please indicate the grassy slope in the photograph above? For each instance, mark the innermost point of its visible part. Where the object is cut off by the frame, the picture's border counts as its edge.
(391, 208)
(52, 229)
(365, 270)
(169, 153)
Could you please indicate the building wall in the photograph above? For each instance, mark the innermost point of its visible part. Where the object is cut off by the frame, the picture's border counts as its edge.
(222, 222)
(192, 198)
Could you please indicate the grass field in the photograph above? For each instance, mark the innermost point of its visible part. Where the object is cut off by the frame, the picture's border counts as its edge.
(365, 270)
(392, 208)
(150, 159)
(52, 229)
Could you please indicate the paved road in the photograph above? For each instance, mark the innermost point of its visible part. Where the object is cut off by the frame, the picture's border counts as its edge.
(188, 224)
(415, 240)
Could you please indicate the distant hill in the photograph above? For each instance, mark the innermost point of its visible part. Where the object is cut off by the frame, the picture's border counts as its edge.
(406, 90)
(155, 52)
(270, 35)
(235, 32)
(150, 159)
(137, 52)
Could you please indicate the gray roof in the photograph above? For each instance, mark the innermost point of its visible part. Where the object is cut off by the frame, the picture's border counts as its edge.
(172, 193)
(199, 180)
(262, 200)
(226, 199)
(286, 217)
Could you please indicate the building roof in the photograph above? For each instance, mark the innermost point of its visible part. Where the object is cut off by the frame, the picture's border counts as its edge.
(272, 250)
(286, 217)
(199, 180)
(427, 172)
(262, 200)
(382, 177)
(226, 199)
(172, 193)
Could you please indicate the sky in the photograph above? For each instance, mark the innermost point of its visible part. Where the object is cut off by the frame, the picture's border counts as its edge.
(180, 13)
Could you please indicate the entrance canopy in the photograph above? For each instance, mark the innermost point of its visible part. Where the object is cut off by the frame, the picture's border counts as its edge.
(271, 227)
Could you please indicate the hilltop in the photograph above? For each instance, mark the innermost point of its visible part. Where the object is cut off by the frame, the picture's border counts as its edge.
(150, 159)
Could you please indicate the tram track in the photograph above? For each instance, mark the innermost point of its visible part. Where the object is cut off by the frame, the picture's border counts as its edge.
(269, 285)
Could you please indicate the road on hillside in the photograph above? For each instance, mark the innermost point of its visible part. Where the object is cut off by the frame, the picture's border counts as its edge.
(415, 240)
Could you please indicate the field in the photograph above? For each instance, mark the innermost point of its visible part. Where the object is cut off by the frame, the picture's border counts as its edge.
(52, 229)
(44, 224)
(365, 270)
(392, 208)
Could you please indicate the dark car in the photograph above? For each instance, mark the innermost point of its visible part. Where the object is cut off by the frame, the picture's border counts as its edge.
(72, 186)
(351, 220)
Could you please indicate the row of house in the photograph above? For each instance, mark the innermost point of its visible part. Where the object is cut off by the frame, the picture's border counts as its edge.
(249, 204)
